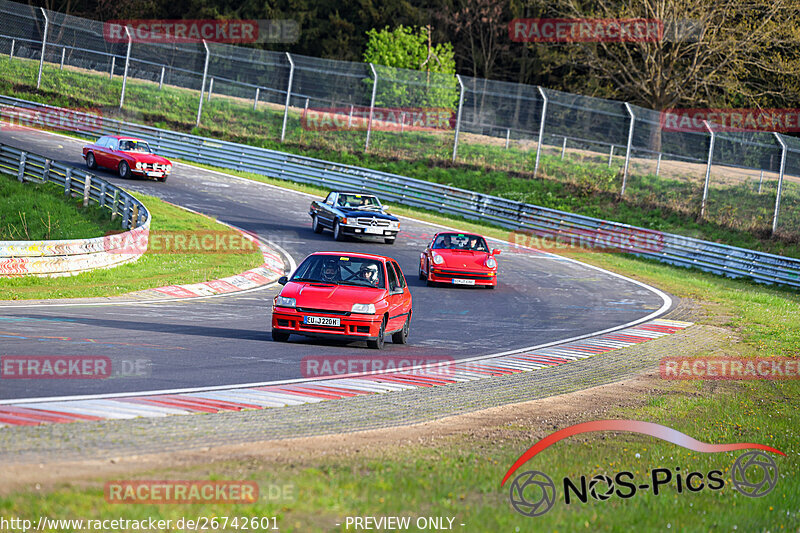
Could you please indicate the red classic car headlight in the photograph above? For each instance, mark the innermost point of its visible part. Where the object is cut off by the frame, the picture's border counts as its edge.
(282, 301)
(491, 263)
(438, 259)
(139, 165)
(366, 309)
(169, 169)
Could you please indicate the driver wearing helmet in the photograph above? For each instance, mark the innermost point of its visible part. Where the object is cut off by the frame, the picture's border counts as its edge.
(330, 270)
(369, 273)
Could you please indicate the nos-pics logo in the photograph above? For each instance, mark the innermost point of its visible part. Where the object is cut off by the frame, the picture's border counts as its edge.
(533, 493)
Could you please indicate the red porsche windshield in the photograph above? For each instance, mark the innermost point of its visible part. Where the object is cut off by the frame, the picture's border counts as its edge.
(460, 241)
(341, 270)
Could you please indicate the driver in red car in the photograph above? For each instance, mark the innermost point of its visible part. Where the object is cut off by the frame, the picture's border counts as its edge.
(330, 271)
(369, 273)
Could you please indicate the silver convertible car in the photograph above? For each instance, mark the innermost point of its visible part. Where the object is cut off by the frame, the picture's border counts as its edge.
(354, 214)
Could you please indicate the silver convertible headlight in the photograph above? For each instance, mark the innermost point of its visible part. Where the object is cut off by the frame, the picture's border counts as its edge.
(366, 309)
(283, 301)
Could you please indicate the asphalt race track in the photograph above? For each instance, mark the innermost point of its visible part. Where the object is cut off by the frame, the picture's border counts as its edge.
(226, 340)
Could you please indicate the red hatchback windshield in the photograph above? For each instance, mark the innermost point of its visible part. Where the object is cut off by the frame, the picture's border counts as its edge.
(341, 270)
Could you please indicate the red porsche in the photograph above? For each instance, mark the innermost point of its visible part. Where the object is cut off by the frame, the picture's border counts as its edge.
(345, 296)
(459, 259)
(128, 156)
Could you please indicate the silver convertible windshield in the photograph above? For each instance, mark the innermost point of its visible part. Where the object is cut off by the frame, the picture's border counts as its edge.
(358, 201)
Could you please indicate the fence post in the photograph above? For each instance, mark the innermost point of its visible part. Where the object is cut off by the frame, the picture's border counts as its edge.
(458, 115)
(67, 181)
(46, 171)
(203, 85)
(508, 136)
(780, 183)
(63, 51)
(161, 80)
(125, 74)
(134, 217)
(658, 164)
(255, 100)
(111, 70)
(610, 156)
(371, 104)
(760, 181)
(44, 44)
(210, 88)
(21, 174)
(563, 148)
(126, 210)
(541, 131)
(349, 118)
(288, 95)
(708, 168)
(115, 205)
(87, 188)
(628, 149)
(13, 44)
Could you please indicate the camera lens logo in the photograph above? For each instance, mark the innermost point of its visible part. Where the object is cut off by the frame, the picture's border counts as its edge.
(537, 485)
(596, 494)
(754, 474)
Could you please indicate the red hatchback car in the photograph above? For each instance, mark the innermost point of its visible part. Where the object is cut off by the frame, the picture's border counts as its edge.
(459, 259)
(346, 296)
(128, 156)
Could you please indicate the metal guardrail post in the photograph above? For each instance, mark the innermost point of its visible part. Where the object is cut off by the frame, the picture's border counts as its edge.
(67, 181)
(103, 187)
(780, 183)
(87, 188)
(161, 80)
(21, 173)
(46, 171)
(371, 104)
(115, 205)
(708, 168)
(202, 85)
(288, 95)
(628, 149)
(44, 44)
(127, 62)
(540, 141)
(458, 116)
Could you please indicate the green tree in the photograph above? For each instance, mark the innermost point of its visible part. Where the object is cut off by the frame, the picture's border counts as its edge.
(412, 71)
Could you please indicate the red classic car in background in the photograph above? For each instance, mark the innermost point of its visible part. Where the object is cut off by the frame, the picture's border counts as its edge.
(458, 259)
(344, 295)
(128, 156)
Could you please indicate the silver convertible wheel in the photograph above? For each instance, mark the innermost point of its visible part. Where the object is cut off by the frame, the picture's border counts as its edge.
(337, 232)
(315, 225)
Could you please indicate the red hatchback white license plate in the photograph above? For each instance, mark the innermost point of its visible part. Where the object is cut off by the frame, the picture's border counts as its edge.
(458, 281)
(321, 321)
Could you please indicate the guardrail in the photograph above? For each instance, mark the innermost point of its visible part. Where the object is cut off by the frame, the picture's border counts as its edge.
(67, 257)
(668, 248)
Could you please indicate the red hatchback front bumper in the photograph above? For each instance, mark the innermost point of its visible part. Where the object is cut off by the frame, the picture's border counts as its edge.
(474, 277)
(352, 326)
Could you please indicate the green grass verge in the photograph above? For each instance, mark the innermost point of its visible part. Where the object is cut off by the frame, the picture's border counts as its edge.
(33, 212)
(151, 270)
(737, 214)
(460, 476)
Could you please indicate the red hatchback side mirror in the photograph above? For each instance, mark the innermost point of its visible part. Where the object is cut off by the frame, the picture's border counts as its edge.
(496, 251)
